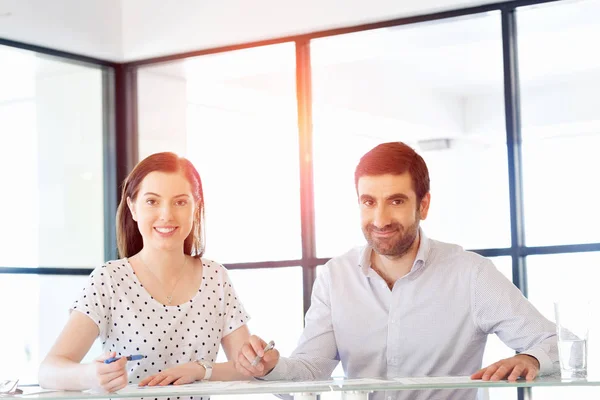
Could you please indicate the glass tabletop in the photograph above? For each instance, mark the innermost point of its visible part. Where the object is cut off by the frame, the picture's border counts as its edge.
(289, 387)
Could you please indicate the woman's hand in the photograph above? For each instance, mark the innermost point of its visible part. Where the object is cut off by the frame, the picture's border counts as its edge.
(109, 377)
(179, 375)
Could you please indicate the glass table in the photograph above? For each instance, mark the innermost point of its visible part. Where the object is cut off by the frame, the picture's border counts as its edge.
(350, 389)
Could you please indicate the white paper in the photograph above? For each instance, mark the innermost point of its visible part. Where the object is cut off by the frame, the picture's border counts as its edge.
(292, 385)
(191, 387)
(276, 384)
(357, 382)
(27, 391)
(433, 380)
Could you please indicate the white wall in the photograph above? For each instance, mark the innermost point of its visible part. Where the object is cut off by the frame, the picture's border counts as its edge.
(91, 28)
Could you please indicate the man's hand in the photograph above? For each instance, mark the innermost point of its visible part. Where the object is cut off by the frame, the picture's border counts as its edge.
(179, 375)
(254, 347)
(520, 365)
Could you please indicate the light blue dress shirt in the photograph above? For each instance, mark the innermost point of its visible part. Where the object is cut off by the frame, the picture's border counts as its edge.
(434, 321)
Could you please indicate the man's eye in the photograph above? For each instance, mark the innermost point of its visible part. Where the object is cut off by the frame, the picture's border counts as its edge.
(368, 202)
(398, 202)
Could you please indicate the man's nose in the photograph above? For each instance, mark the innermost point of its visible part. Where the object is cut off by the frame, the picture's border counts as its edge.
(381, 218)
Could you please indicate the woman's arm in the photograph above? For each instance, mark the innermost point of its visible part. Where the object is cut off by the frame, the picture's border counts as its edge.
(192, 371)
(232, 344)
(62, 368)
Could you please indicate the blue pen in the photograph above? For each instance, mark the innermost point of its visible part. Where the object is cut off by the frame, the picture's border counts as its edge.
(129, 358)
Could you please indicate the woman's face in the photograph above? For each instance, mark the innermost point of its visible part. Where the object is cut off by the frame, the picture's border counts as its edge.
(164, 210)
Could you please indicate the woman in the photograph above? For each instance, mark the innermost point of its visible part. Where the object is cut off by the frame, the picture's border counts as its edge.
(162, 300)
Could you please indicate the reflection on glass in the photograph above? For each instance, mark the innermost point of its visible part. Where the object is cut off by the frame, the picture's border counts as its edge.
(29, 330)
(437, 86)
(234, 116)
(560, 80)
(273, 297)
(562, 276)
(51, 162)
(274, 300)
(567, 276)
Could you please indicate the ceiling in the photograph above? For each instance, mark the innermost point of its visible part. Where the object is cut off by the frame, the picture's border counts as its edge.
(122, 31)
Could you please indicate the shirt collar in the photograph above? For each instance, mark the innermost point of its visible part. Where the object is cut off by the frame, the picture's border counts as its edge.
(364, 259)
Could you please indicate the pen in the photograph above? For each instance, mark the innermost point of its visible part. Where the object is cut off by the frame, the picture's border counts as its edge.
(267, 348)
(129, 358)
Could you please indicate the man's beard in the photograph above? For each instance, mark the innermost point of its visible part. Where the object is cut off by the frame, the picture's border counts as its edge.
(388, 247)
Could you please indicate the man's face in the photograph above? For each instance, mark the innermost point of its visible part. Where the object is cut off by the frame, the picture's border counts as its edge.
(389, 213)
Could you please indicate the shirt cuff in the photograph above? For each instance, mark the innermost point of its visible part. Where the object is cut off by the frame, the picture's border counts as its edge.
(546, 365)
(279, 373)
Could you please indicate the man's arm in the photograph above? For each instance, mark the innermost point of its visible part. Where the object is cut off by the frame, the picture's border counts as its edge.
(500, 308)
(316, 355)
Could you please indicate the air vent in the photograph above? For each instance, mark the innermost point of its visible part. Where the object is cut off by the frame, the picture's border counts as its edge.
(434, 144)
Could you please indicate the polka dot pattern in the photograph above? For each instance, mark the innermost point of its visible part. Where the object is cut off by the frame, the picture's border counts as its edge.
(133, 322)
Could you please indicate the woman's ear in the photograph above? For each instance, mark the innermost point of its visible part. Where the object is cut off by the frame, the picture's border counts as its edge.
(131, 208)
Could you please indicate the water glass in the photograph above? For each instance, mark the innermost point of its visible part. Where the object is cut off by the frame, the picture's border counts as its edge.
(572, 327)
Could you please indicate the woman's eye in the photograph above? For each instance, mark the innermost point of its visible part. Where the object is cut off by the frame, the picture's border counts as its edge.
(181, 203)
(150, 202)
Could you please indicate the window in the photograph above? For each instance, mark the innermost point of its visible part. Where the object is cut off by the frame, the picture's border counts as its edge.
(31, 323)
(234, 116)
(562, 276)
(51, 158)
(560, 79)
(52, 175)
(438, 86)
(273, 299)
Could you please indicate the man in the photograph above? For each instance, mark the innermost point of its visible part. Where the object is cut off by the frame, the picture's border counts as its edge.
(406, 305)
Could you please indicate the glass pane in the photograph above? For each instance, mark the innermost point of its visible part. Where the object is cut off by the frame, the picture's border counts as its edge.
(234, 116)
(29, 330)
(280, 321)
(51, 158)
(437, 86)
(555, 276)
(560, 80)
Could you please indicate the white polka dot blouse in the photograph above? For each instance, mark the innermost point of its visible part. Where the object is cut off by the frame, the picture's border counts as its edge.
(133, 322)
